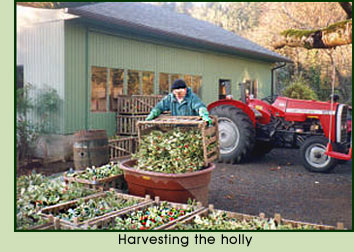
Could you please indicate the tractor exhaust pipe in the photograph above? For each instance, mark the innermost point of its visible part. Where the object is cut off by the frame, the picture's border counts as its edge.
(272, 80)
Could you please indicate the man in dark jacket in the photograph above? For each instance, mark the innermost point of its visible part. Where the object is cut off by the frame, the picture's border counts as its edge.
(181, 102)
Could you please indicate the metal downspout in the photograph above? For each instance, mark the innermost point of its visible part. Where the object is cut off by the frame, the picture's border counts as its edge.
(272, 78)
(87, 80)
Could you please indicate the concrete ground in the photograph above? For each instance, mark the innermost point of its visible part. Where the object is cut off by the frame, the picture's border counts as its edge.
(278, 183)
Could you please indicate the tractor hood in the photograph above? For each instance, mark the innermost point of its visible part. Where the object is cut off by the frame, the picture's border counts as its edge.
(289, 105)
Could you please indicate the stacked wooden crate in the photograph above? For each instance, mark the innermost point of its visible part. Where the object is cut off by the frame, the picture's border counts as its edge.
(140, 213)
(130, 110)
(69, 215)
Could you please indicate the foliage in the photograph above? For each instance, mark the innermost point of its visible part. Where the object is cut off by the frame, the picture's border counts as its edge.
(299, 90)
(220, 221)
(25, 129)
(96, 173)
(36, 191)
(85, 210)
(53, 5)
(175, 151)
(47, 104)
(152, 217)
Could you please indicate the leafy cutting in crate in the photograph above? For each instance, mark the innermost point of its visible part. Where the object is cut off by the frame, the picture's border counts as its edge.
(36, 191)
(152, 217)
(96, 207)
(175, 151)
(96, 173)
(220, 221)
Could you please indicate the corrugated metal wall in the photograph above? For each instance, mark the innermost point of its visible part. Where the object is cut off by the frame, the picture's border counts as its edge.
(40, 49)
(76, 83)
(106, 50)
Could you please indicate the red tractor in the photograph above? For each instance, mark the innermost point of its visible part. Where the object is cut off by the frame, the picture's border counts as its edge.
(253, 127)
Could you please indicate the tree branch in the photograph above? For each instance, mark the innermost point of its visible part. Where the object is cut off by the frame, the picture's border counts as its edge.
(287, 13)
(334, 35)
(347, 7)
(53, 5)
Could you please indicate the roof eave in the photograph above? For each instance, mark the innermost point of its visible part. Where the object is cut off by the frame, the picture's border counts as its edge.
(170, 35)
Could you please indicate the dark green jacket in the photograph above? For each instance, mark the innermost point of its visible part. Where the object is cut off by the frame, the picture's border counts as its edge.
(188, 107)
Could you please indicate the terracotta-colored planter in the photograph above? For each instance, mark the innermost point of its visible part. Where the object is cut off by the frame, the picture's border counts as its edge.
(170, 187)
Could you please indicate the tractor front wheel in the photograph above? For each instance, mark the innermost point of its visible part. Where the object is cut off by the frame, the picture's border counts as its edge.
(313, 155)
(236, 133)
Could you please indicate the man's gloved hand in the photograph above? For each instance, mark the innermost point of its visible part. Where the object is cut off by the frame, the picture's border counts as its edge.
(207, 119)
(203, 112)
(153, 114)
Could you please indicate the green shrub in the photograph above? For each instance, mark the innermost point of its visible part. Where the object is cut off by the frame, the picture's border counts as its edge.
(299, 90)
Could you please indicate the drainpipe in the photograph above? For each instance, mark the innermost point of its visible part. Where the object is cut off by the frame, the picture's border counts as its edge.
(272, 81)
(87, 79)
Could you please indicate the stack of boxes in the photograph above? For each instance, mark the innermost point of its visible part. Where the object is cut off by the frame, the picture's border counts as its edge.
(130, 110)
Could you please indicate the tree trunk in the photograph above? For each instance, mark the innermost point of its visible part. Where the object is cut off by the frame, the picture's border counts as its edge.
(332, 36)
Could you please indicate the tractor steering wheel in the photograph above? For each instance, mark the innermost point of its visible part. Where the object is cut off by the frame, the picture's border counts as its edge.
(270, 99)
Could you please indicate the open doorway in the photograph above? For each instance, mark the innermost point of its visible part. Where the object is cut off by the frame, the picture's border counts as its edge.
(251, 88)
(224, 88)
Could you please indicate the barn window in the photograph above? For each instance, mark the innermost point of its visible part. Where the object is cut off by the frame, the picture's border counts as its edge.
(164, 86)
(99, 89)
(224, 88)
(148, 83)
(116, 80)
(174, 77)
(194, 82)
(133, 82)
(196, 85)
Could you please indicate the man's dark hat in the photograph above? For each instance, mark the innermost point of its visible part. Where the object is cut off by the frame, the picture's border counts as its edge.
(178, 84)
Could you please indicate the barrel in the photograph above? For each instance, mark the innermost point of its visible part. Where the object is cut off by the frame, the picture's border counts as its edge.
(90, 148)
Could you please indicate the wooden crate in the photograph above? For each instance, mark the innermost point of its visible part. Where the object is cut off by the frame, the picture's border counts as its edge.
(277, 218)
(210, 134)
(103, 223)
(126, 124)
(137, 104)
(121, 148)
(50, 212)
(116, 181)
(51, 224)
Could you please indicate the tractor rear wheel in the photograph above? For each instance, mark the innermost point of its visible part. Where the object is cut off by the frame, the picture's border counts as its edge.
(236, 133)
(313, 156)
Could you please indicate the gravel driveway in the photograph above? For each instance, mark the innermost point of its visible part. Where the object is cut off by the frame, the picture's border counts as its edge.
(278, 183)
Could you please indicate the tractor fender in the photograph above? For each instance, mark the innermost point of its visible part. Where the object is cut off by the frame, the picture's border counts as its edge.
(245, 108)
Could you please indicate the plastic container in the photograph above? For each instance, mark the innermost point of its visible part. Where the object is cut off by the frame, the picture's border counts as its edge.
(171, 187)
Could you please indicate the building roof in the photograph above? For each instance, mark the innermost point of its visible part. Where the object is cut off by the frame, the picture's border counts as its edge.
(180, 28)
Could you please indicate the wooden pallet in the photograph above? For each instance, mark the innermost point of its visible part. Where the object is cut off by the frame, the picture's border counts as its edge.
(102, 223)
(210, 134)
(51, 224)
(277, 218)
(137, 104)
(121, 148)
(104, 184)
(126, 124)
(50, 213)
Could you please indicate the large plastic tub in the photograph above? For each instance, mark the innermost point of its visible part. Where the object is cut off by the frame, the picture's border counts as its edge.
(171, 187)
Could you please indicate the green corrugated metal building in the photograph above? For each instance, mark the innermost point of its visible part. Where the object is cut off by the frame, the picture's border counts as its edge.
(90, 54)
